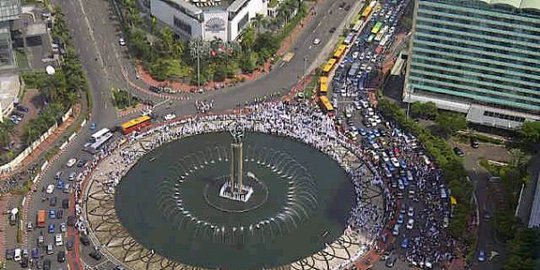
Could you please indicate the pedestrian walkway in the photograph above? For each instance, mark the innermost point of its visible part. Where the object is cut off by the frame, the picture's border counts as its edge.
(138, 109)
(47, 143)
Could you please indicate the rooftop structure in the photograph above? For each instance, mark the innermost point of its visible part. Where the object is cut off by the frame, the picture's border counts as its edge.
(478, 57)
(207, 19)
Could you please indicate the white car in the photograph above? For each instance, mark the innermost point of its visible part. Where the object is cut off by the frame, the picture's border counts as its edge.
(122, 42)
(58, 240)
(410, 224)
(395, 162)
(50, 189)
(395, 231)
(355, 55)
(316, 41)
(63, 227)
(71, 162)
(410, 211)
(170, 116)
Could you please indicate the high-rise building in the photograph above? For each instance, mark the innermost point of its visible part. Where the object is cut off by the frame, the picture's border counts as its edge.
(9, 10)
(479, 57)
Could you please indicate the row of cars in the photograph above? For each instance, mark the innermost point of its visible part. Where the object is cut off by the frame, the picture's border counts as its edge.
(17, 116)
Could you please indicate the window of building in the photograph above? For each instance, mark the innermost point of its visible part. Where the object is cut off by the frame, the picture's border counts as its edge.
(185, 27)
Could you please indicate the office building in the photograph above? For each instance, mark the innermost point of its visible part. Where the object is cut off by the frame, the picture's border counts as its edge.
(479, 57)
(208, 19)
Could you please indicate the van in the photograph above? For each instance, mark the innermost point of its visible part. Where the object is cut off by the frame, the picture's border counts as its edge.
(17, 257)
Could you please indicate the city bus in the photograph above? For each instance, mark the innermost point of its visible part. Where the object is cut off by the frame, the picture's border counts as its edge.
(371, 37)
(40, 219)
(385, 40)
(379, 36)
(323, 85)
(329, 65)
(135, 124)
(358, 25)
(325, 104)
(376, 28)
(338, 53)
(101, 141)
(349, 38)
(99, 134)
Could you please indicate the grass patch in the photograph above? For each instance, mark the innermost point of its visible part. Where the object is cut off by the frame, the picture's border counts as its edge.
(22, 59)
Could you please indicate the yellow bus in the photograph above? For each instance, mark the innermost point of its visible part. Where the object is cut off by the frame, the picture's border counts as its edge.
(367, 12)
(135, 124)
(325, 104)
(329, 65)
(323, 85)
(338, 53)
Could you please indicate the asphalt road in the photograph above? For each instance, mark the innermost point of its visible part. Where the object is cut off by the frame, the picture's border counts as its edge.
(95, 35)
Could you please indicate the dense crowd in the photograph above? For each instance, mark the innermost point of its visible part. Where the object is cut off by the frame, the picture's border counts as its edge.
(306, 123)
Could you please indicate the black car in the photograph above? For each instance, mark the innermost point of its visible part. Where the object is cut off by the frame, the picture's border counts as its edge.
(61, 257)
(81, 163)
(71, 221)
(59, 214)
(24, 262)
(96, 255)
(458, 152)
(65, 203)
(10, 253)
(332, 30)
(47, 264)
(390, 262)
(52, 201)
(474, 143)
(22, 108)
(84, 240)
(69, 245)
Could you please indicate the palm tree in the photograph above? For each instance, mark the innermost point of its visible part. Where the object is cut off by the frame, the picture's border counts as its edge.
(258, 22)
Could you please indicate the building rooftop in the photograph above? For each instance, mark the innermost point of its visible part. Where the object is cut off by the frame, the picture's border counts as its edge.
(516, 3)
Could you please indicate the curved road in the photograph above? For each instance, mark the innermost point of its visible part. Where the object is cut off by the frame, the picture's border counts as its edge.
(95, 32)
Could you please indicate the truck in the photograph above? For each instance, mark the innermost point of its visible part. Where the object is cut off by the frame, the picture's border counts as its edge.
(41, 216)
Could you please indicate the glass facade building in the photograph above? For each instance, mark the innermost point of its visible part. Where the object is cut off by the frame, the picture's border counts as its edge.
(9, 10)
(475, 55)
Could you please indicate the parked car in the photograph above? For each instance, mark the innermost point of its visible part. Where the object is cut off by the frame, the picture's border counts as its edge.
(65, 203)
(458, 152)
(84, 240)
(474, 143)
(47, 264)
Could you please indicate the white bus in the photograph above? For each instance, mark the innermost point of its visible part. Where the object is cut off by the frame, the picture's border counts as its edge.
(99, 134)
(100, 141)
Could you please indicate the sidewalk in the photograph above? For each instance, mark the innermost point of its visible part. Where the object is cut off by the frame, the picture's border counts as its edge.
(46, 144)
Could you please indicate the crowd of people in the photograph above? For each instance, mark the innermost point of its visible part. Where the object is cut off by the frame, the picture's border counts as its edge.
(204, 106)
(376, 201)
(277, 118)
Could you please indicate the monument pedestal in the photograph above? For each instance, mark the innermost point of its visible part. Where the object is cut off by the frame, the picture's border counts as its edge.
(237, 193)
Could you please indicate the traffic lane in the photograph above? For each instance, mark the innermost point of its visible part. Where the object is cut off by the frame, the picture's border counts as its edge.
(91, 60)
(37, 203)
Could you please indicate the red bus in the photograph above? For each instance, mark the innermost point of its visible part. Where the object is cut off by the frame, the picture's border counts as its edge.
(135, 124)
(41, 215)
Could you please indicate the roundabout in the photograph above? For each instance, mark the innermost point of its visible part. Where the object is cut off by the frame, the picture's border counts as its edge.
(160, 201)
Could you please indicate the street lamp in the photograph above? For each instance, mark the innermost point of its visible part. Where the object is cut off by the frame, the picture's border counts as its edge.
(305, 64)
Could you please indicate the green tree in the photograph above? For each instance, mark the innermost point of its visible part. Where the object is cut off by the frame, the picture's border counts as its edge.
(426, 110)
(248, 39)
(7, 128)
(530, 133)
(258, 22)
(448, 123)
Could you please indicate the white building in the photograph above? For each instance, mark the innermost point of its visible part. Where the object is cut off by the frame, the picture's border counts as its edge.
(208, 19)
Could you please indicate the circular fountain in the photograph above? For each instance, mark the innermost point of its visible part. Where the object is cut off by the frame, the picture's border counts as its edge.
(250, 202)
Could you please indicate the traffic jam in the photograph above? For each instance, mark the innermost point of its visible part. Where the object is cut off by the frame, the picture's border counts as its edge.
(49, 237)
(419, 204)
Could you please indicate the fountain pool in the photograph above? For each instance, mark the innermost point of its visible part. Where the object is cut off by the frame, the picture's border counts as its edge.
(169, 202)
